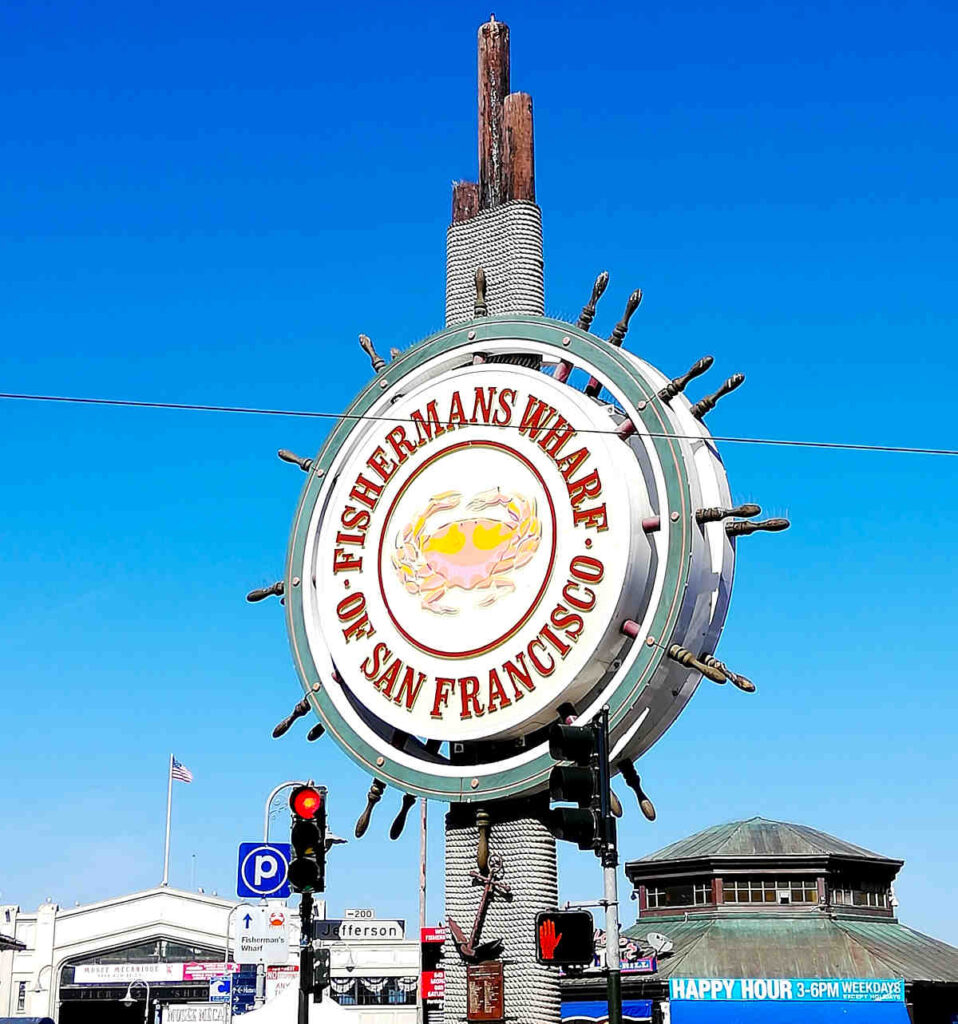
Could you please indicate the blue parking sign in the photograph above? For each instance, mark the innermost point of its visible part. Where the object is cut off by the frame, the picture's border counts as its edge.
(262, 870)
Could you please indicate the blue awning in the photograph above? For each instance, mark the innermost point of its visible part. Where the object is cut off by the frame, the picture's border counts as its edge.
(597, 1011)
(785, 1012)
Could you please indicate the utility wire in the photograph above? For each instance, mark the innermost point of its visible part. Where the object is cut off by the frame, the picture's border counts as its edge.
(192, 407)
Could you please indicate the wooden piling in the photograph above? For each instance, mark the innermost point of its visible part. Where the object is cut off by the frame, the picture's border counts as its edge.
(493, 89)
(465, 201)
(518, 164)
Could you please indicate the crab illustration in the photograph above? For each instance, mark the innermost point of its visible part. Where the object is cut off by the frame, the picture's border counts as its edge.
(478, 553)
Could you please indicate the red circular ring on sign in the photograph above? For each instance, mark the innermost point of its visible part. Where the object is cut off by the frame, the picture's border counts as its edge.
(546, 577)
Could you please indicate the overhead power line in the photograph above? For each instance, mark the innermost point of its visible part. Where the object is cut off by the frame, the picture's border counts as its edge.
(312, 414)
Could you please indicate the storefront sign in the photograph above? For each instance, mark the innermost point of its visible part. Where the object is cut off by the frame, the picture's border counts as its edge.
(195, 1013)
(785, 989)
(124, 974)
(433, 986)
(359, 931)
(432, 934)
(484, 992)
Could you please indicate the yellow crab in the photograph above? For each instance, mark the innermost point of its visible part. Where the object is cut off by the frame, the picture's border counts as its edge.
(477, 553)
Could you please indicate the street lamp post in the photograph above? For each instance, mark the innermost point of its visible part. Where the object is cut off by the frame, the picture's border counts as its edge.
(128, 999)
(269, 800)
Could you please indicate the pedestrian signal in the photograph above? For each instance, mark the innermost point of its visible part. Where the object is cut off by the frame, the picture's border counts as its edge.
(565, 937)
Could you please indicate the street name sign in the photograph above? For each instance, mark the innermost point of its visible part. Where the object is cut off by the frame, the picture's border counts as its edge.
(262, 870)
(359, 930)
(261, 935)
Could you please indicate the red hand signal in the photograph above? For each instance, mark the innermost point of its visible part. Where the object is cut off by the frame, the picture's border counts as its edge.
(548, 940)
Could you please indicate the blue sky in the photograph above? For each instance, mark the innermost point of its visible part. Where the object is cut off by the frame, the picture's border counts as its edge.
(207, 203)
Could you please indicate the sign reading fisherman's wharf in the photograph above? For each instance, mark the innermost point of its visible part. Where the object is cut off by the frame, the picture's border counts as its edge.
(471, 550)
(480, 542)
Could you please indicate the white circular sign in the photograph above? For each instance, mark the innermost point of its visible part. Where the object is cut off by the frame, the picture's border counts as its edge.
(473, 553)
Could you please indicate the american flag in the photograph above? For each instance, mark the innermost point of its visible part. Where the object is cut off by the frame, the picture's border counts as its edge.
(180, 772)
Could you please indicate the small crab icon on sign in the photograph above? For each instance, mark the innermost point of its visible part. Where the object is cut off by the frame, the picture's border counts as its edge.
(477, 553)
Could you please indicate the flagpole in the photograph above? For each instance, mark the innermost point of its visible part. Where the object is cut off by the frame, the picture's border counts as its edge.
(169, 803)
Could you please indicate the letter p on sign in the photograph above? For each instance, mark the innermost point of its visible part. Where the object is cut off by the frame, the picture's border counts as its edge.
(262, 870)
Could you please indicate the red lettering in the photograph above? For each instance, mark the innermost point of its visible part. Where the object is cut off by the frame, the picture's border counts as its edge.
(594, 518)
(483, 404)
(366, 491)
(536, 417)
(562, 647)
(426, 429)
(457, 416)
(555, 438)
(569, 464)
(588, 487)
(585, 605)
(570, 623)
(351, 538)
(380, 464)
(497, 694)
(542, 669)
(441, 700)
(387, 680)
(371, 665)
(407, 688)
(355, 518)
(587, 569)
(469, 694)
(353, 608)
(519, 673)
(344, 562)
(504, 413)
(401, 445)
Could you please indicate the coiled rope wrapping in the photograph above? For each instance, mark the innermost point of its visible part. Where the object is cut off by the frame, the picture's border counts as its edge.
(507, 243)
(529, 855)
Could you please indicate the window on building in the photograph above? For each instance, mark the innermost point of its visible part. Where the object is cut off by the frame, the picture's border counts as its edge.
(769, 891)
(861, 894)
(374, 991)
(21, 997)
(696, 895)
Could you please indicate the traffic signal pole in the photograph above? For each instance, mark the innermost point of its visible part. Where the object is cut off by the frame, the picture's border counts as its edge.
(610, 860)
(305, 956)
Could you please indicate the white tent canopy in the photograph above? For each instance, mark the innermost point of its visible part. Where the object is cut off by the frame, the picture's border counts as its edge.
(283, 1009)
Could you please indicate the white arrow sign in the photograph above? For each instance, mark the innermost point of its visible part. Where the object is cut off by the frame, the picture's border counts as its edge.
(261, 935)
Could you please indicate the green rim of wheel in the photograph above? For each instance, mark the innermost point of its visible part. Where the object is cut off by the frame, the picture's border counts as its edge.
(614, 369)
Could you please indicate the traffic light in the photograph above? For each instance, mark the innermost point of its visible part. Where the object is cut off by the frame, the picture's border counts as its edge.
(586, 782)
(320, 973)
(307, 869)
(578, 783)
(565, 937)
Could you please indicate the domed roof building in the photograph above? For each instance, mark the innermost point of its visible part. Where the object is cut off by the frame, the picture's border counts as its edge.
(771, 903)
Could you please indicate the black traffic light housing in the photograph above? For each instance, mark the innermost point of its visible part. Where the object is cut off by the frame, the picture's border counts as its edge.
(587, 783)
(565, 938)
(320, 978)
(307, 869)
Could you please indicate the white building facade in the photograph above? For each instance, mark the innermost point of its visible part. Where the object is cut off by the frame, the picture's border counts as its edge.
(79, 963)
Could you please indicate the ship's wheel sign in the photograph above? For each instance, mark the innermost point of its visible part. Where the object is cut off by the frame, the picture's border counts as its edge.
(481, 543)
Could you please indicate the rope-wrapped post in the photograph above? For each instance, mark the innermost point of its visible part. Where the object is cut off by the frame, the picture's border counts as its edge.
(517, 834)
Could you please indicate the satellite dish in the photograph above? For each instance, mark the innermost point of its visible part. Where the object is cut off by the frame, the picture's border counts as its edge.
(659, 942)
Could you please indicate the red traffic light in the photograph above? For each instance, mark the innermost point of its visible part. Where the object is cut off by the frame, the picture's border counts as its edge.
(305, 802)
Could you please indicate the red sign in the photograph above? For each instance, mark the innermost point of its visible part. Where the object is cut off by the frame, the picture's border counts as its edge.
(432, 934)
(433, 986)
(484, 992)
